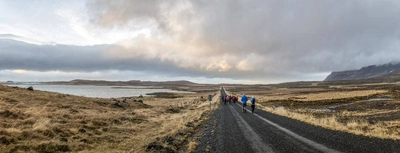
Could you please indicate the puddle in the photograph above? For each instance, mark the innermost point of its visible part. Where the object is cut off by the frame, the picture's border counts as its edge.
(316, 110)
(336, 106)
(306, 109)
(376, 99)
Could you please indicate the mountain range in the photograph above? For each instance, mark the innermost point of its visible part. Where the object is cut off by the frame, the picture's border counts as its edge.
(368, 72)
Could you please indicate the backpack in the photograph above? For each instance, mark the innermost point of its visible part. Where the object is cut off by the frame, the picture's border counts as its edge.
(253, 100)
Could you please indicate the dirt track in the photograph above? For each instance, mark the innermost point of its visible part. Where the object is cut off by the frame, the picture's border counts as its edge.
(230, 130)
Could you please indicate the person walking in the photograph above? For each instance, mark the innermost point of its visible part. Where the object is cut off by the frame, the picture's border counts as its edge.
(244, 101)
(253, 104)
(225, 99)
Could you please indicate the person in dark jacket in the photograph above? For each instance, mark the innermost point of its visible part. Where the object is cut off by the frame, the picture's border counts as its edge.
(253, 104)
(225, 96)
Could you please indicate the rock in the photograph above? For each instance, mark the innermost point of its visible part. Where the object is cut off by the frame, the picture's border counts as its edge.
(155, 146)
(135, 100)
(372, 122)
(5, 140)
(124, 101)
(189, 124)
(169, 140)
(63, 139)
(82, 130)
(141, 96)
(117, 104)
(30, 88)
(140, 101)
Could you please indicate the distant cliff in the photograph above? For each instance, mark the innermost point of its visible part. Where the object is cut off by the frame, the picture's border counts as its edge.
(365, 72)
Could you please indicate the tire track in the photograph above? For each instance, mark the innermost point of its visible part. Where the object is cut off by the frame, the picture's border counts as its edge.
(257, 143)
(278, 140)
(317, 146)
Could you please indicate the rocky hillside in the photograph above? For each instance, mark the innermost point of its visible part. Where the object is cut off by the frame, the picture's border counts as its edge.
(365, 72)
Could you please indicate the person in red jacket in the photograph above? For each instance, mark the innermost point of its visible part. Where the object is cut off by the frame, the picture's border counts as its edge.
(236, 99)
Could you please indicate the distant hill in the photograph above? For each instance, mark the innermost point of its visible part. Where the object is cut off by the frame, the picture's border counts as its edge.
(372, 71)
(123, 83)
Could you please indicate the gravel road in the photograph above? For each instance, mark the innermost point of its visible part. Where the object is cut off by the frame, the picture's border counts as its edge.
(230, 130)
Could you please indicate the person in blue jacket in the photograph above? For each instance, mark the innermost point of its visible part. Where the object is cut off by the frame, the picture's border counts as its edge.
(253, 104)
(244, 101)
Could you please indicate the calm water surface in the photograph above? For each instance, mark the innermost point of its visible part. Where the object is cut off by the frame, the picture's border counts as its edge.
(98, 91)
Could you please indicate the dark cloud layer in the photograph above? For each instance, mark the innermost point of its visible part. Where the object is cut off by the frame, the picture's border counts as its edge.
(20, 55)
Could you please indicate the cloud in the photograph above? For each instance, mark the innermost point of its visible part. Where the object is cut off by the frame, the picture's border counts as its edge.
(306, 37)
(256, 40)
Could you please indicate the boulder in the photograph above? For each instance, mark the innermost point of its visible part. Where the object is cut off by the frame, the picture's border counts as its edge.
(63, 139)
(117, 104)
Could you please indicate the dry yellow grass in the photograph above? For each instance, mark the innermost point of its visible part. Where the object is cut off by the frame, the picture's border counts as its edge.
(321, 96)
(382, 129)
(36, 121)
(192, 146)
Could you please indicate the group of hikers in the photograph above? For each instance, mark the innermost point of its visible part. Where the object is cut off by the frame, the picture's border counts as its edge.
(230, 99)
(233, 99)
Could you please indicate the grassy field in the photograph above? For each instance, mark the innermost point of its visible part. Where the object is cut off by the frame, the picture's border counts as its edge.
(364, 109)
(37, 121)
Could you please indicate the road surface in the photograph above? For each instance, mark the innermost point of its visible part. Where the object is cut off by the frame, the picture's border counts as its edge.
(230, 130)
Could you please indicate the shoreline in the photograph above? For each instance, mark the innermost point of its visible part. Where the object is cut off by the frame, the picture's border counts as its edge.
(94, 91)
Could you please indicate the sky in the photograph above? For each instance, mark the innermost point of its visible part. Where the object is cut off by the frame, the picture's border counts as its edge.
(213, 41)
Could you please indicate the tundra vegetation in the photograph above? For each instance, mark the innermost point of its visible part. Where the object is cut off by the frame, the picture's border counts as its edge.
(368, 109)
(38, 121)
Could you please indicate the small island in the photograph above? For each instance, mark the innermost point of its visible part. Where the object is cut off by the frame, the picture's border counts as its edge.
(10, 82)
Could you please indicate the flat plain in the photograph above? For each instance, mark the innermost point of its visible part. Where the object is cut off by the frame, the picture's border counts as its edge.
(369, 109)
(38, 121)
